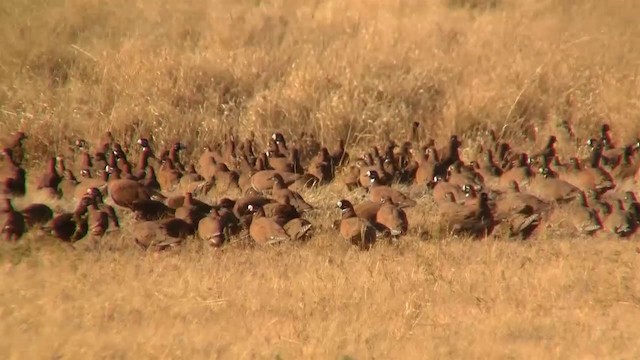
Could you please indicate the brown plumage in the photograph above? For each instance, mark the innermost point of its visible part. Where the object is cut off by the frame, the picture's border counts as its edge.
(477, 221)
(619, 222)
(37, 214)
(441, 188)
(520, 211)
(12, 176)
(96, 196)
(339, 156)
(241, 207)
(367, 210)
(149, 210)
(71, 226)
(298, 229)
(280, 192)
(263, 180)
(207, 163)
(281, 212)
(377, 192)
(190, 176)
(161, 235)
(427, 161)
(448, 155)
(352, 177)
(12, 221)
(263, 230)
(225, 179)
(192, 212)
(168, 175)
(521, 172)
(588, 177)
(211, 229)
(392, 217)
(627, 168)
(278, 161)
(68, 184)
(50, 179)
(98, 221)
(86, 184)
(16, 145)
(354, 229)
(548, 188)
(124, 192)
(584, 218)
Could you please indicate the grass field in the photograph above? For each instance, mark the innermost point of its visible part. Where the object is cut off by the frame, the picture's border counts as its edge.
(363, 70)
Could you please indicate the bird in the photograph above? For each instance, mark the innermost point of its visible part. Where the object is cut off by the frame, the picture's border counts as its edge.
(619, 222)
(263, 230)
(477, 221)
(377, 192)
(12, 221)
(392, 217)
(353, 229)
(211, 229)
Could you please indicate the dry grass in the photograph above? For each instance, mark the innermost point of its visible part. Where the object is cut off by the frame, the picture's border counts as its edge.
(358, 69)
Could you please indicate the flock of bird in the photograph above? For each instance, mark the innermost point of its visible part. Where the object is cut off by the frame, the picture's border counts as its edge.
(171, 200)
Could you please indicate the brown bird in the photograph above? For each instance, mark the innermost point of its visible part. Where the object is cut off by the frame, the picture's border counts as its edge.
(392, 217)
(520, 173)
(88, 183)
(263, 180)
(476, 221)
(352, 177)
(519, 210)
(584, 218)
(548, 188)
(174, 155)
(514, 198)
(448, 156)
(50, 179)
(161, 235)
(16, 145)
(548, 153)
(124, 192)
(168, 175)
(150, 210)
(12, 176)
(339, 156)
(619, 221)
(192, 212)
(627, 168)
(427, 161)
(12, 221)
(367, 210)
(211, 229)
(279, 192)
(298, 229)
(98, 221)
(37, 214)
(263, 230)
(354, 229)
(591, 177)
(377, 192)
(97, 198)
(71, 226)
(281, 212)
(441, 188)
(190, 176)
(207, 163)
(594, 199)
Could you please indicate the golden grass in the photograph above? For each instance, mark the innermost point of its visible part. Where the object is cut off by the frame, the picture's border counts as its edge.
(362, 70)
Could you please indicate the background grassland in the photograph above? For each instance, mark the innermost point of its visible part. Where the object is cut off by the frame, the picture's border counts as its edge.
(358, 69)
